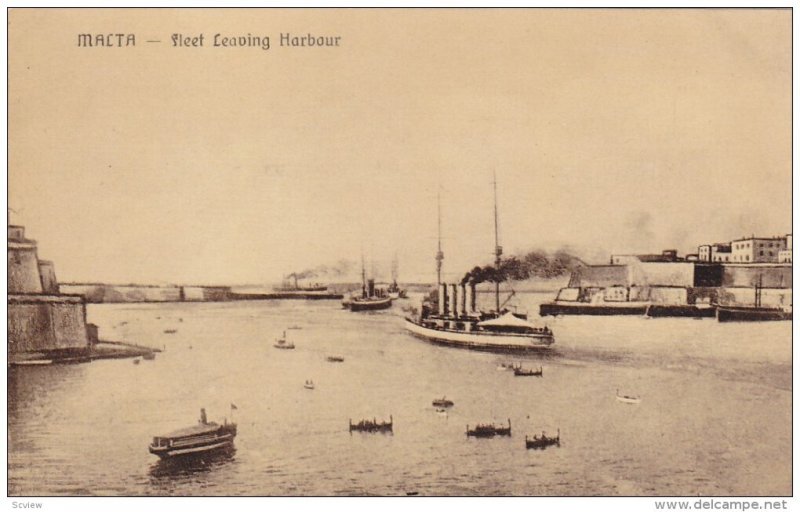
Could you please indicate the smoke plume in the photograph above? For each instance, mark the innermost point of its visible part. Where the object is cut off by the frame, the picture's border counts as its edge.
(343, 267)
(519, 268)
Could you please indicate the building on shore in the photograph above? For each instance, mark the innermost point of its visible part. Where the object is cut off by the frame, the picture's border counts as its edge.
(785, 256)
(716, 253)
(752, 249)
(757, 250)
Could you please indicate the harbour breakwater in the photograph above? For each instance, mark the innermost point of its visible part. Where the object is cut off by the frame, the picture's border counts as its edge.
(102, 293)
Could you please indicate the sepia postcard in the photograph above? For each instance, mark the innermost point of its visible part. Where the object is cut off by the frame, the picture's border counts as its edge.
(392, 252)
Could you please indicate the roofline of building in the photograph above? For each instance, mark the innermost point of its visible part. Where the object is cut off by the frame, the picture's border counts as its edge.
(759, 238)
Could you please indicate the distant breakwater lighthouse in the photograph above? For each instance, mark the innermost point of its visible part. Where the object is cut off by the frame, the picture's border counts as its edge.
(42, 323)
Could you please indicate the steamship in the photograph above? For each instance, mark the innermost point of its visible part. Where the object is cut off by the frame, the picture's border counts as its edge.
(394, 290)
(458, 323)
(204, 437)
(288, 286)
(455, 320)
(755, 313)
(370, 299)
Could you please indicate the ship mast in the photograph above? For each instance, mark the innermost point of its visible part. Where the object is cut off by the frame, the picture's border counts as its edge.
(363, 277)
(758, 291)
(439, 253)
(498, 250)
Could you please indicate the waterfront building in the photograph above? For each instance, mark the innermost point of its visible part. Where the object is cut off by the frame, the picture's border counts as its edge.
(785, 256)
(721, 253)
(749, 250)
(757, 249)
(714, 253)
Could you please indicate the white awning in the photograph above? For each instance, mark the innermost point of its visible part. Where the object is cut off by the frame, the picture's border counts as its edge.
(507, 320)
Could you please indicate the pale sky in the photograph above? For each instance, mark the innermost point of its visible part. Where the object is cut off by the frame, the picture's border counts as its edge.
(609, 130)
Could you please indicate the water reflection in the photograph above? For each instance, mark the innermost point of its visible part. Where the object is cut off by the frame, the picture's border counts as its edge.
(32, 385)
(189, 466)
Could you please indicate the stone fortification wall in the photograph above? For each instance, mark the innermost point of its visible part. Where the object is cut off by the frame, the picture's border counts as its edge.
(43, 323)
(23, 268)
(661, 274)
(109, 293)
(600, 276)
(47, 273)
(681, 274)
(772, 276)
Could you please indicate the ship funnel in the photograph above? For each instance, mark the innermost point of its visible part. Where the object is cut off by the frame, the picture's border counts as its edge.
(442, 299)
(471, 297)
(453, 304)
(370, 288)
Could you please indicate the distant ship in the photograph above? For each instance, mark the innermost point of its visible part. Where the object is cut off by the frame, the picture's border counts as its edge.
(290, 289)
(454, 320)
(293, 286)
(755, 313)
(370, 299)
(394, 291)
(752, 314)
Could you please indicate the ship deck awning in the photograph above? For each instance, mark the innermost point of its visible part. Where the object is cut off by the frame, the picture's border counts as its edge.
(193, 430)
(507, 320)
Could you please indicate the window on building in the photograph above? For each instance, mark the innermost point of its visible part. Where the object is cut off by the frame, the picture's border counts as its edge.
(747, 257)
(761, 253)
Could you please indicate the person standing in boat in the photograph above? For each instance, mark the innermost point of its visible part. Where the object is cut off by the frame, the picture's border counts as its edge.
(203, 419)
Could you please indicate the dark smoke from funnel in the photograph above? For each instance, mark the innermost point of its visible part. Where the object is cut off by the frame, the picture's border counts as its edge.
(533, 264)
(341, 268)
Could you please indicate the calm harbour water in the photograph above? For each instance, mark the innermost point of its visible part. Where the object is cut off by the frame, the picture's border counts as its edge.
(715, 416)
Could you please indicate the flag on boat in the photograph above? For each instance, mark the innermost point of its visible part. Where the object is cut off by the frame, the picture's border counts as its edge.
(233, 407)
